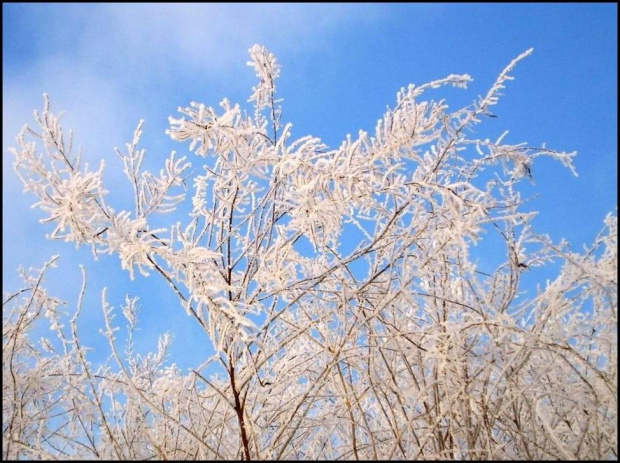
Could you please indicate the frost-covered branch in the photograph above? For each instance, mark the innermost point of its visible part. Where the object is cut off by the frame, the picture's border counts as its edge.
(338, 286)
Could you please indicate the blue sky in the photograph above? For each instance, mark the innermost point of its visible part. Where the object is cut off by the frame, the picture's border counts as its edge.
(110, 65)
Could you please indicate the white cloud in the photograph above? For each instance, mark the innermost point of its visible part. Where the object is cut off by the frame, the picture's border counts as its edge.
(103, 55)
(211, 37)
(148, 41)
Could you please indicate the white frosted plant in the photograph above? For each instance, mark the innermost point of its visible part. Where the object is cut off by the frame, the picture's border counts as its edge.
(348, 316)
